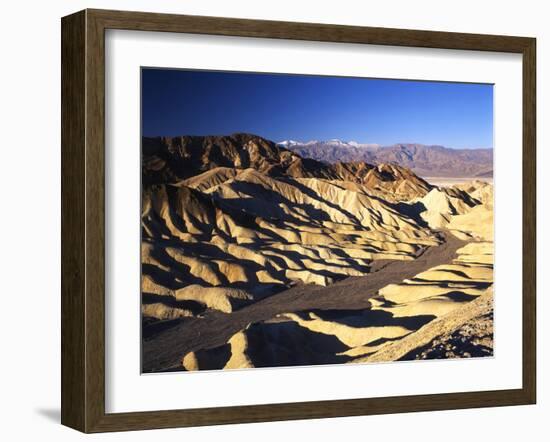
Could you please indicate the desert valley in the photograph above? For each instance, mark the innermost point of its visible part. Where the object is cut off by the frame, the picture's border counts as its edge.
(258, 254)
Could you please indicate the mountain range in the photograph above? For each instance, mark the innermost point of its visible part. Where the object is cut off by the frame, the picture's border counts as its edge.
(424, 160)
(175, 159)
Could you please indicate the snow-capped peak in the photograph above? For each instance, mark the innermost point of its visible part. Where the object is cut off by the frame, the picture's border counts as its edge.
(331, 142)
(288, 143)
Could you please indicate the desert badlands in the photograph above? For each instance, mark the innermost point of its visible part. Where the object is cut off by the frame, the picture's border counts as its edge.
(253, 256)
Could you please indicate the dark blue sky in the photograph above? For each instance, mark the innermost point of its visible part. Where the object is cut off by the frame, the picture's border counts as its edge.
(303, 108)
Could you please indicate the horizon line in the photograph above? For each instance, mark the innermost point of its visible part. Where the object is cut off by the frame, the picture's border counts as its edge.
(322, 141)
(386, 145)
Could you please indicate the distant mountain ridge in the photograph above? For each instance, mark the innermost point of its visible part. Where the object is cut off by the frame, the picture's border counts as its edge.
(171, 160)
(424, 160)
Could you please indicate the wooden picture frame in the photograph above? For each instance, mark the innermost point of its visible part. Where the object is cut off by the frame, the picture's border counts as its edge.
(83, 220)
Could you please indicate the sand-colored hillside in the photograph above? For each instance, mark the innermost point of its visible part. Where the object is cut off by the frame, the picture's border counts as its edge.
(445, 303)
(262, 235)
(465, 209)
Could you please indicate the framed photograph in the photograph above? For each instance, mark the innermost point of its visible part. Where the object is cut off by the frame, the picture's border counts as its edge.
(268, 220)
